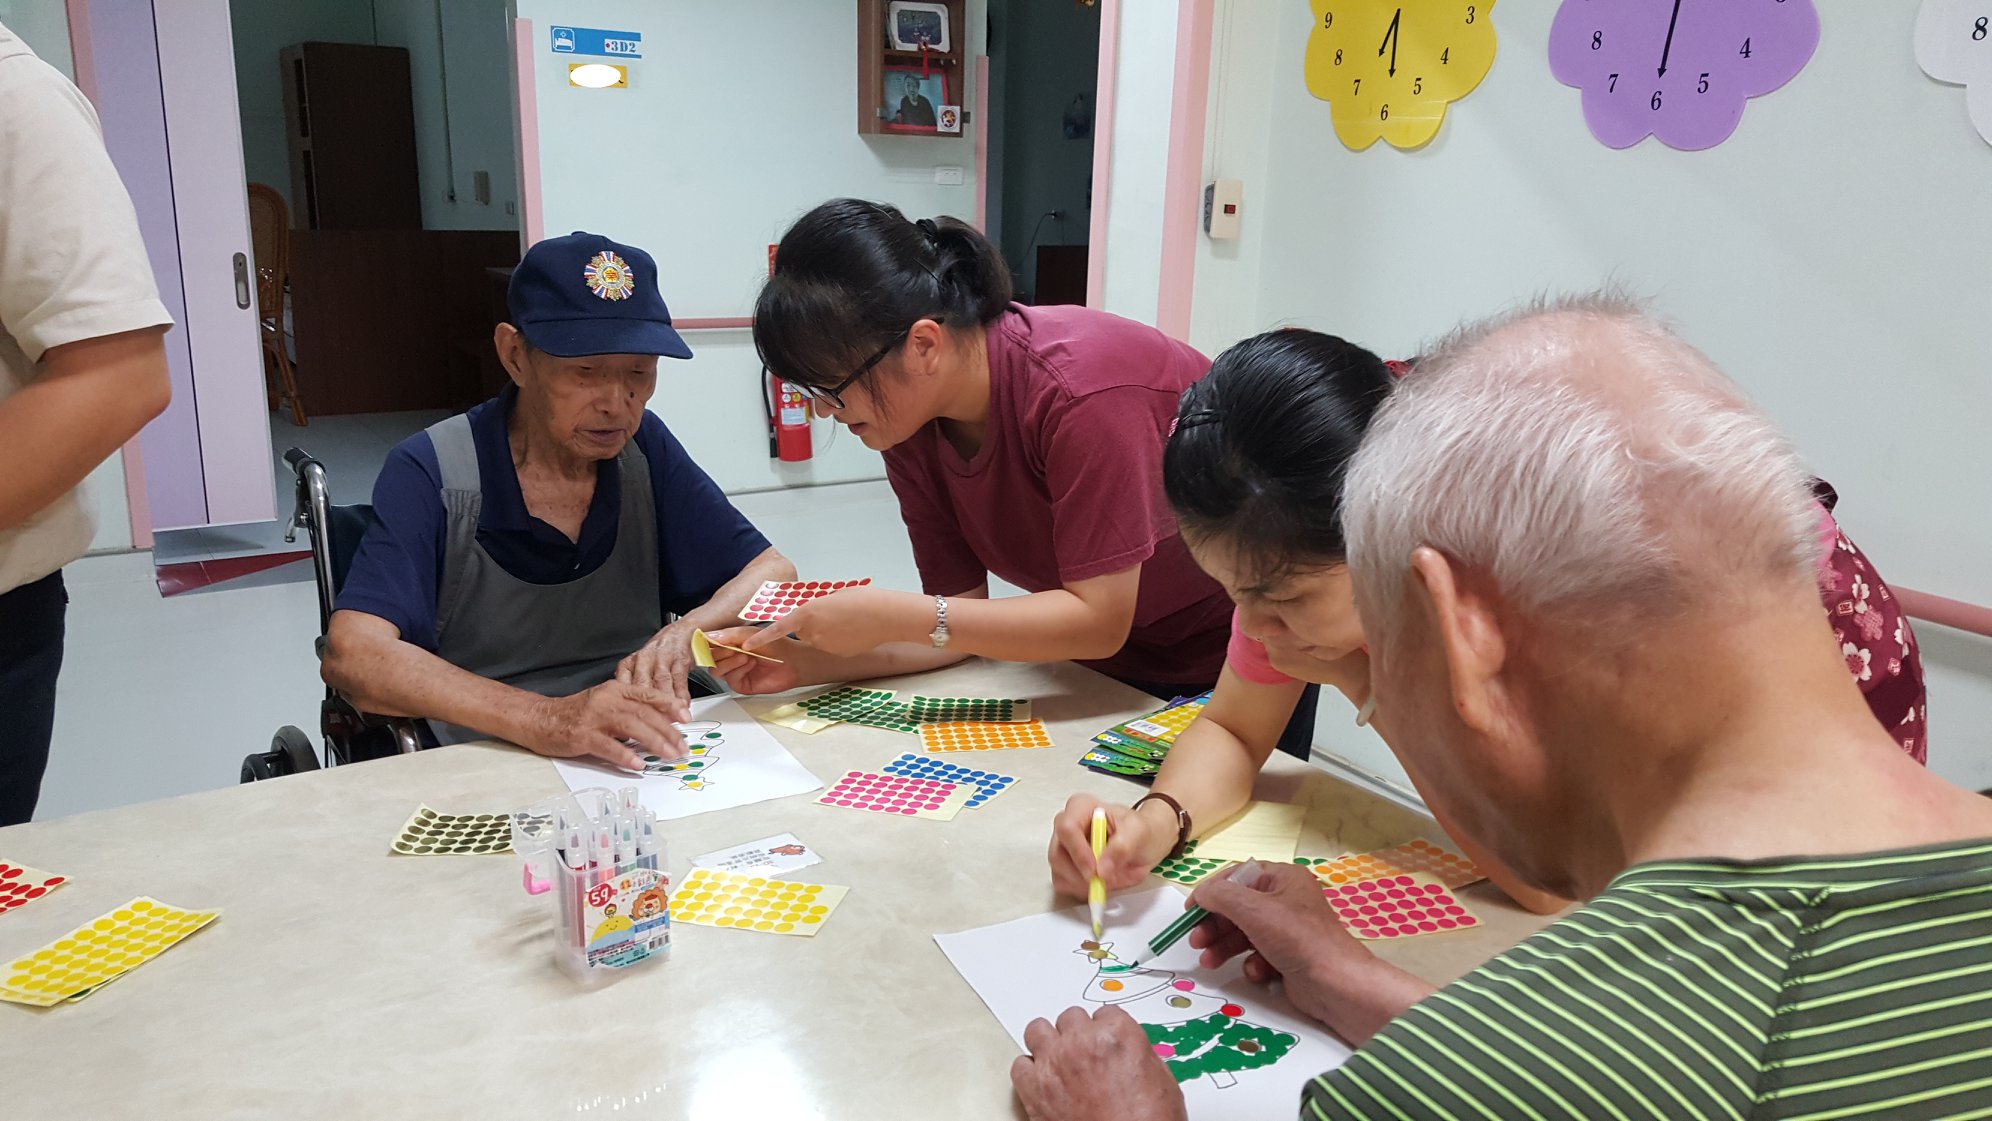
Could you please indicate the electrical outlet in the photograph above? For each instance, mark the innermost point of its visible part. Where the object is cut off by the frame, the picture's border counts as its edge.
(947, 177)
(480, 186)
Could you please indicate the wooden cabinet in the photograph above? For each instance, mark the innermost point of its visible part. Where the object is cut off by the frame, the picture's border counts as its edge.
(902, 92)
(350, 111)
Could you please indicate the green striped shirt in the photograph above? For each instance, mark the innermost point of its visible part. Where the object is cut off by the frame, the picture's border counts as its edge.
(1857, 986)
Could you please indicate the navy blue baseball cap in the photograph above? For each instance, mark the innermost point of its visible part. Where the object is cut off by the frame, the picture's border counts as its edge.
(583, 294)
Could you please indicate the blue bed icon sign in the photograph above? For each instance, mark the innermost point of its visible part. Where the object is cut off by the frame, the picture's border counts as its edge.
(597, 41)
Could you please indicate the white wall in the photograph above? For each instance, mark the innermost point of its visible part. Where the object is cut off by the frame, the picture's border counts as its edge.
(739, 117)
(1832, 256)
(470, 55)
(1145, 75)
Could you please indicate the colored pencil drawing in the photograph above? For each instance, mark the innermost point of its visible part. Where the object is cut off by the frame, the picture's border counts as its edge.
(1197, 1033)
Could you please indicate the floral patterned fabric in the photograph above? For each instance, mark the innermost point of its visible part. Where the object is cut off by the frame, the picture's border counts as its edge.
(1875, 639)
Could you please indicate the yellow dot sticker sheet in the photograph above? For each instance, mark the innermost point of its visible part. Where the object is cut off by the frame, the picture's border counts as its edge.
(1419, 857)
(98, 952)
(709, 898)
(978, 735)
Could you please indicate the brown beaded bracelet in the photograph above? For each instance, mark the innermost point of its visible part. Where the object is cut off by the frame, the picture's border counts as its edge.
(1182, 819)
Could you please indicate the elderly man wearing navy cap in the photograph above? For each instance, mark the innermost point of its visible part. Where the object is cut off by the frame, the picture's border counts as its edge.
(527, 554)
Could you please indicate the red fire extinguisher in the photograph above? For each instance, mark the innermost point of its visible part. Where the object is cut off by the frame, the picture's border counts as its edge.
(788, 420)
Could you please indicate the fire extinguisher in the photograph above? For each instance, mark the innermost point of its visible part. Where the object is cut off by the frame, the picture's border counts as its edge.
(788, 420)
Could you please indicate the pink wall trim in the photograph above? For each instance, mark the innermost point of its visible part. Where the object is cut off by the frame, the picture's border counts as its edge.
(138, 503)
(1103, 152)
(980, 123)
(525, 120)
(736, 323)
(84, 64)
(1182, 192)
(1944, 611)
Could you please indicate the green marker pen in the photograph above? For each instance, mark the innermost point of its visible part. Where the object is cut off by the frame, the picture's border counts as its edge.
(1244, 875)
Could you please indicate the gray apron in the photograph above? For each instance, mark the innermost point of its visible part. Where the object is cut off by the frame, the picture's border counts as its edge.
(550, 639)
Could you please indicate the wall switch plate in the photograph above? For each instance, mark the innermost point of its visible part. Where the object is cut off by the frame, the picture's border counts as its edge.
(1223, 199)
(947, 177)
(480, 186)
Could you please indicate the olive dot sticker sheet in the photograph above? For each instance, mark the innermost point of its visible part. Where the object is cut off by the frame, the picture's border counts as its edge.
(98, 952)
(709, 898)
(946, 710)
(428, 833)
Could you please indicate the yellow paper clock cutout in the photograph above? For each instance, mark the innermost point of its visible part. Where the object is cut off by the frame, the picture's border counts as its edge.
(1387, 68)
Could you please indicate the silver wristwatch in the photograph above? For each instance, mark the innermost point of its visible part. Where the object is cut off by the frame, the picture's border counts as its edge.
(940, 635)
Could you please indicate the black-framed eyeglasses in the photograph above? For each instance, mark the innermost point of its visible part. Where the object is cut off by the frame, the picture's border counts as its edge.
(835, 393)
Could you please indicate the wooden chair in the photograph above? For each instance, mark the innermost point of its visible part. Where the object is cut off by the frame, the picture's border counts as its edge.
(269, 238)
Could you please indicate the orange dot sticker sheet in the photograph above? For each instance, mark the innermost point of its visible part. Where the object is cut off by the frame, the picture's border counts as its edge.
(1414, 857)
(727, 899)
(21, 885)
(979, 735)
(98, 952)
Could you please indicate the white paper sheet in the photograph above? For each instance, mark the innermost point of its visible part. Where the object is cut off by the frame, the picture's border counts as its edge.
(1036, 967)
(741, 764)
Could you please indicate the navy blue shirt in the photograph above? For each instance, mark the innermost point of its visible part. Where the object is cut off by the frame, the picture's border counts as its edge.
(702, 541)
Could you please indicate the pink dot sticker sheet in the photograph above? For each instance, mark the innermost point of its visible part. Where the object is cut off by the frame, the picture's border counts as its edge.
(21, 885)
(899, 795)
(776, 599)
(1393, 907)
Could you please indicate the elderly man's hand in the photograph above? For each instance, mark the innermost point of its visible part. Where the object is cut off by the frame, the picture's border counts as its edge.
(852, 621)
(661, 665)
(754, 676)
(604, 721)
(1094, 1068)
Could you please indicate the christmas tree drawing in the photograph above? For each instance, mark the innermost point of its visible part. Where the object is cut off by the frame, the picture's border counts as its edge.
(1197, 1034)
(702, 743)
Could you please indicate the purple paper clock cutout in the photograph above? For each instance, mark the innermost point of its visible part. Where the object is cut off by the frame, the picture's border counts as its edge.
(1681, 70)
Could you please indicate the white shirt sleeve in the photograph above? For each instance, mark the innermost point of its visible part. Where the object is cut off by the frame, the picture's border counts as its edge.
(72, 262)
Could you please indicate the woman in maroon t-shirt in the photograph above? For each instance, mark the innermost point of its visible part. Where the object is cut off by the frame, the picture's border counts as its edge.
(1254, 471)
(1024, 442)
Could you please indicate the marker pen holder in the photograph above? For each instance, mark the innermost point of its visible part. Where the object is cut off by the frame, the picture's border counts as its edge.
(599, 860)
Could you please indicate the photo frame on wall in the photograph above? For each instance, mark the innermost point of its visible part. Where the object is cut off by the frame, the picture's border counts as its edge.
(911, 101)
(911, 23)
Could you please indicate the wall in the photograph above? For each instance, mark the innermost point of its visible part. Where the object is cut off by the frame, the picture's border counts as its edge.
(262, 28)
(1143, 80)
(1831, 256)
(1047, 54)
(738, 119)
(475, 132)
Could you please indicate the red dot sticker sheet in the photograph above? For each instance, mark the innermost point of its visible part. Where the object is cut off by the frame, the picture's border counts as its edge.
(1394, 907)
(899, 795)
(775, 600)
(21, 885)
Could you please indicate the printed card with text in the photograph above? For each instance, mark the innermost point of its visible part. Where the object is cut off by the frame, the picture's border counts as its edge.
(769, 856)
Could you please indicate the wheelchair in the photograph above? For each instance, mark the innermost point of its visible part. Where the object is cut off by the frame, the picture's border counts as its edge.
(350, 736)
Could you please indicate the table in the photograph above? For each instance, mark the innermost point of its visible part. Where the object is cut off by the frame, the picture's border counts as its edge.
(343, 982)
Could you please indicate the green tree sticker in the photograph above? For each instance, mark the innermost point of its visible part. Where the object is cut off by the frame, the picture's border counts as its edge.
(1217, 1045)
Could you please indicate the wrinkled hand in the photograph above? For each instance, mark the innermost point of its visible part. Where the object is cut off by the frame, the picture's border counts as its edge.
(661, 665)
(1292, 933)
(1135, 844)
(1094, 1068)
(596, 722)
(852, 621)
(754, 676)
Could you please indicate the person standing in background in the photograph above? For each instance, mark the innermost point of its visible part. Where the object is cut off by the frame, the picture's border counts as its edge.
(82, 369)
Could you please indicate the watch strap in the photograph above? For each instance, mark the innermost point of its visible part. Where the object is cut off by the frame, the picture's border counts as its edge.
(1182, 819)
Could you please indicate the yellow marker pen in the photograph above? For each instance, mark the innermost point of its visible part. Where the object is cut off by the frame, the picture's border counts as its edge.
(1096, 894)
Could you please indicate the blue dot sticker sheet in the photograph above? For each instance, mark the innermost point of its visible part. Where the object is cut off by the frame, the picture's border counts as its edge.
(987, 783)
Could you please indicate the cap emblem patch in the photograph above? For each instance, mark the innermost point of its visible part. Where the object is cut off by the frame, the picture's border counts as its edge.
(609, 277)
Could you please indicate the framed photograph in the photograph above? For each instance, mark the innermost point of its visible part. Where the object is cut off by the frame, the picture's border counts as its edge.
(909, 23)
(911, 101)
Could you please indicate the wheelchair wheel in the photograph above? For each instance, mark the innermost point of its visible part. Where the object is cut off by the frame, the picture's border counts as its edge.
(295, 747)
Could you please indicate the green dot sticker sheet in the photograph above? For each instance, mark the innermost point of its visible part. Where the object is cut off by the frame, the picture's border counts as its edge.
(428, 833)
(843, 704)
(947, 710)
(1189, 868)
(892, 716)
(98, 952)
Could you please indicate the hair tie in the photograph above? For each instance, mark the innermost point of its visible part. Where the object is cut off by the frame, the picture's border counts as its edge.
(1193, 418)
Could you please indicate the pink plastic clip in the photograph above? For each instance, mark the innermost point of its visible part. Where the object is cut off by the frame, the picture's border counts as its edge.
(533, 886)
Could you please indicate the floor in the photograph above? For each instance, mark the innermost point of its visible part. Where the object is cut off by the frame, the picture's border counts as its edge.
(140, 666)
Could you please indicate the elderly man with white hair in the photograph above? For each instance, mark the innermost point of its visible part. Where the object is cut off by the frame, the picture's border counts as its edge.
(1788, 917)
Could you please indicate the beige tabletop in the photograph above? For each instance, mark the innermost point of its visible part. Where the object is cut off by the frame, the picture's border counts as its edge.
(343, 982)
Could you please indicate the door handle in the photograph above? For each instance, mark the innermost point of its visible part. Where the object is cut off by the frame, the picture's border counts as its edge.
(242, 281)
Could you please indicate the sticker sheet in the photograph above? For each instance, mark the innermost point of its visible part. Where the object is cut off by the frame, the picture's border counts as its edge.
(734, 762)
(1398, 907)
(1238, 1049)
(1191, 867)
(775, 600)
(1418, 857)
(980, 736)
(769, 856)
(988, 784)
(1261, 831)
(428, 833)
(948, 710)
(98, 952)
(899, 795)
(703, 645)
(710, 898)
(1169, 723)
(21, 885)
(842, 704)
(892, 716)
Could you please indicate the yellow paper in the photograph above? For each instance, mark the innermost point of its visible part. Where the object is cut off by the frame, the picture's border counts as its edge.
(727, 899)
(702, 645)
(1388, 70)
(792, 716)
(98, 952)
(1261, 831)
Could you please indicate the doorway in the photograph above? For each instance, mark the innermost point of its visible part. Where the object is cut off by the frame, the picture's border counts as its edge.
(1044, 62)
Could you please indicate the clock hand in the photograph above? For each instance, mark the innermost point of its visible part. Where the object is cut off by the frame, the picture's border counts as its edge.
(1390, 40)
(1669, 48)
